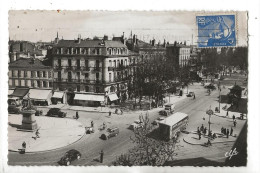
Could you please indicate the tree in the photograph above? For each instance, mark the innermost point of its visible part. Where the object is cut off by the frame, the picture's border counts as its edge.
(147, 150)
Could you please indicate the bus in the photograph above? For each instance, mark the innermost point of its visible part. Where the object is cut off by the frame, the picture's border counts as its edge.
(171, 126)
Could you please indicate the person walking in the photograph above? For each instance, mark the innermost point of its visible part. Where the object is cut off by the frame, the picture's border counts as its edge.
(37, 134)
(235, 123)
(233, 117)
(198, 130)
(202, 128)
(199, 135)
(101, 156)
(205, 131)
(109, 113)
(222, 130)
(24, 145)
(231, 131)
(227, 114)
(92, 124)
(227, 133)
(77, 115)
(194, 97)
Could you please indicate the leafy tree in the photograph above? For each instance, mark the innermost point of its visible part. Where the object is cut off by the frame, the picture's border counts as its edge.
(147, 150)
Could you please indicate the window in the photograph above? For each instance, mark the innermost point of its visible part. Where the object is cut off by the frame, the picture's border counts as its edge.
(44, 84)
(69, 76)
(69, 62)
(114, 63)
(86, 88)
(38, 74)
(86, 63)
(50, 84)
(97, 76)
(97, 63)
(38, 83)
(110, 63)
(59, 76)
(32, 74)
(44, 74)
(97, 90)
(19, 73)
(25, 73)
(78, 63)
(125, 62)
(86, 75)
(110, 75)
(78, 75)
(78, 88)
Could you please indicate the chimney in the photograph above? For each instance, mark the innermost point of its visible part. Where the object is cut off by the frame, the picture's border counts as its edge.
(153, 42)
(105, 37)
(79, 39)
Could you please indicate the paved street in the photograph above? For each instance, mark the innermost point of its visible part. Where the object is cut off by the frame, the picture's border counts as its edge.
(90, 145)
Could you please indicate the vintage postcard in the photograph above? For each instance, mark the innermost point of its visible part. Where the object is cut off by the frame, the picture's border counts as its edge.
(128, 88)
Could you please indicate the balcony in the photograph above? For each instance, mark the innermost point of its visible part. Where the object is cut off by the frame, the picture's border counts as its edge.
(121, 67)
(97, 69)
(58, 67)
(111, 68)
(85, 69)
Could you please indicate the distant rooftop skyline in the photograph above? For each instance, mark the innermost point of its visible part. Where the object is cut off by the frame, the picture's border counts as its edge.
(170, 25)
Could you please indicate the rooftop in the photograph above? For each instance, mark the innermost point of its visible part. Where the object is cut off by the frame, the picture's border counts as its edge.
(28, 63)
(90, 43)
(173, 119)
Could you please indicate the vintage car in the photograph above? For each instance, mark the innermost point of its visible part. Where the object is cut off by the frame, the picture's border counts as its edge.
(111, 132)
(156, 122)
(70, 156)
(137, 124)
(190, 94)
(56, 112)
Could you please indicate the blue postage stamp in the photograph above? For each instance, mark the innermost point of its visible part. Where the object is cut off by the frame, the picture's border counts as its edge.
(217, 30)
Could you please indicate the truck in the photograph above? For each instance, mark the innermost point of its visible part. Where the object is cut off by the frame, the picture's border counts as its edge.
(171, 126)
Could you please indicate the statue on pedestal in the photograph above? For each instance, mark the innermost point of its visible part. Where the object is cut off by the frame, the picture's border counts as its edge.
(28, 122)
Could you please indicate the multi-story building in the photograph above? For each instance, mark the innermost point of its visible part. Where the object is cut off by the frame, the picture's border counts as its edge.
(31, 73)
(90, 71)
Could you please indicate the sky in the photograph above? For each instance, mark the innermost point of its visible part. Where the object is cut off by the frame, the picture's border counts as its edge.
(170, 25)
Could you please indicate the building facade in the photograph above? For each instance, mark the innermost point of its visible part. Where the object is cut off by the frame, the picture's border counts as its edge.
(31, 73)
(84, 66)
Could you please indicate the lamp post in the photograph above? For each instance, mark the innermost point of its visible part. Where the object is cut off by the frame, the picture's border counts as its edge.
(209, 112)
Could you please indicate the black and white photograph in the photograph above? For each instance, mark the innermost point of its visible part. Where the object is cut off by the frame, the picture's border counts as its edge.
(127, 88)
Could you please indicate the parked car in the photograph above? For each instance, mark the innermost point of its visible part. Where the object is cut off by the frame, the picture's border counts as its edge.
(70, 156)
(137, 124)
(210, 86)
(169, 107)
(165, 112)
(156, 122)
(56, 112)
(14, 109)
(110, 133)
(191, 94)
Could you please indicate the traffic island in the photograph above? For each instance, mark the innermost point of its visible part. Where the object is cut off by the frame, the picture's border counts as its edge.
(54, 133)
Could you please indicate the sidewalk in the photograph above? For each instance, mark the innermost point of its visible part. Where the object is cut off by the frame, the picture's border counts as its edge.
(54, 133)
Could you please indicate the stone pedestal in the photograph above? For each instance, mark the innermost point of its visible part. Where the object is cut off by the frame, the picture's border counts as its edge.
(29, 122)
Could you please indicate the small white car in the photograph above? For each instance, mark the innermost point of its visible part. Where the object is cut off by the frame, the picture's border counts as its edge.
(137, 124)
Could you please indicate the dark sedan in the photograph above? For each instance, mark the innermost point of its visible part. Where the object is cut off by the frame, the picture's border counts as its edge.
(70, 156)
(53, 112)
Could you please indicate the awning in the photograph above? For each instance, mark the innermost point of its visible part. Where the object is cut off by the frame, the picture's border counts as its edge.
(39, 94)
(58, 95)
(10, 92)
(113, 97)
(20, 92)
(89, 97)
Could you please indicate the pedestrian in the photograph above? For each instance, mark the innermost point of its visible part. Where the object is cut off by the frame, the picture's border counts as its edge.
(233, 117)
(205, 131)
(198, 130)
(92, 124)
(199, 135)
(37, 134)
(101, 156)
(109, 113)
(202, 128)
(227, 114)
(77, 115)
(24, 145)
(235, 123)
(231, 131)
(227, 133)
(222, 130)
(194, 97)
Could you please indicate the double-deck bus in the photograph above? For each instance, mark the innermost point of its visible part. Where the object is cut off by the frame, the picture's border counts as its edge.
(171, 126)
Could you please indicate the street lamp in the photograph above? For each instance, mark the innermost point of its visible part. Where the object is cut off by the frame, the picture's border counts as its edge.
(209, 112)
